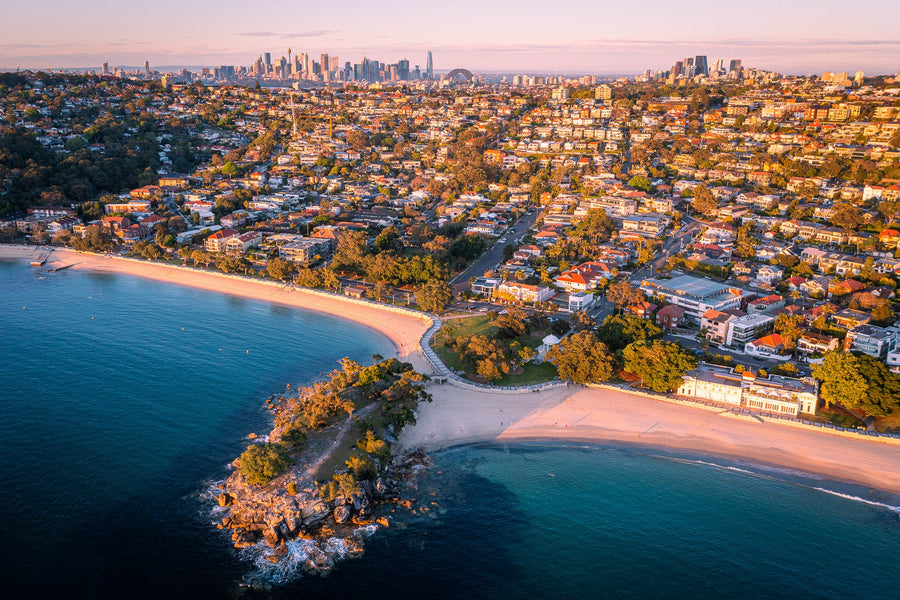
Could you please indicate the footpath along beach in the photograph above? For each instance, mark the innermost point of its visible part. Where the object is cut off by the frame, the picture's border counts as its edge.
(461, 415)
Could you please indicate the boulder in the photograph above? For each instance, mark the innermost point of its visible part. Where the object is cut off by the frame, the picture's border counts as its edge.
(225, 499)
(342, 514)
(271, 536)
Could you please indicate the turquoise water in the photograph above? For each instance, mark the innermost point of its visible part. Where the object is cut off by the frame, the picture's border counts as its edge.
(115, 420)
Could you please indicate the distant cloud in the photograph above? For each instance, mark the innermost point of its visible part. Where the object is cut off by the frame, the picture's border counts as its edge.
(296, 34)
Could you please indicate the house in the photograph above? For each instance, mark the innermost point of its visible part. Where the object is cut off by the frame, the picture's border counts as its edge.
(794, 283)
(586, 276)
(816, 287)
(770, 346)
(869, 339)
(716, 325)
(889, 237)
(485, 286)
(748, 327)
(643, 310)
(814, 343)
(546, 238)
(523, 292)
(304, 250)
(670, 316)
(217, 242)
(769, 275)
(847, 286)
(235, 219)
(243, 242)
(766, 305)
(580, 301)
(850, 318)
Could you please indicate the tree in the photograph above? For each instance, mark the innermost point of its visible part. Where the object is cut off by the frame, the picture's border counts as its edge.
(847, 216)
(622, 293)
(433, 296)
(704, 202)
(889, 208)
(661, 365)
(280, 268)
(617, 331)
(513, 323)
(380, 290)
(582, 358)
(789, 328)
(581, 321)
(358, 140)
(351, 252)
(261, 463)
(639, 182)
(857, 381)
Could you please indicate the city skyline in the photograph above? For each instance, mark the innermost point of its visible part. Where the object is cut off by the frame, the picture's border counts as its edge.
(807, 37)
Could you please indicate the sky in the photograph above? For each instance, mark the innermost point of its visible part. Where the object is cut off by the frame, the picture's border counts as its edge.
(528, 36)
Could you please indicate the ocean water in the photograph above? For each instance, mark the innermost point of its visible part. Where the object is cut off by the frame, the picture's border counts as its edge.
(115, 420)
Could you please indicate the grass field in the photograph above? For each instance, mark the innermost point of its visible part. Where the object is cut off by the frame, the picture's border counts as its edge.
(481, 325)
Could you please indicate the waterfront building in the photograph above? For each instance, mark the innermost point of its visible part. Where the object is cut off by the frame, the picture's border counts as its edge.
(774, 393)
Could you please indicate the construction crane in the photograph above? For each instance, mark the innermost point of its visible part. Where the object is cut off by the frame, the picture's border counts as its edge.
(295, 114)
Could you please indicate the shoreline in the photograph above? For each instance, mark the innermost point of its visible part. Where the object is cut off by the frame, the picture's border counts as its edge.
(581, 415)
(404, 331)
(460, 416)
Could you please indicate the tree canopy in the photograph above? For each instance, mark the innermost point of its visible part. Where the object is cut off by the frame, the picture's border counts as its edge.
(660, 364)
(617, 331)
(261, 463)
(858, 381)
(583, 358)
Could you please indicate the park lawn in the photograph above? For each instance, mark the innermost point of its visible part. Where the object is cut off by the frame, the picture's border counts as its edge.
(836, 417)
(467, 326)
(531, 374)
(888, 424)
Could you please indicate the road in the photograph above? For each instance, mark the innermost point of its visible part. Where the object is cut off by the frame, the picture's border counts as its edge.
(673, 245)
(494, 254)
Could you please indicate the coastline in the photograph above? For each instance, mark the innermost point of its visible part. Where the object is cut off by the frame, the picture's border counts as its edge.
(573, 414)
(404, 331)
(576, 414)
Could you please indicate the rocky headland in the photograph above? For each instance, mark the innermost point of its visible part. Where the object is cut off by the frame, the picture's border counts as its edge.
(337, 478)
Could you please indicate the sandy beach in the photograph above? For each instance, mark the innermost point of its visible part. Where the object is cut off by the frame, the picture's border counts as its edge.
(577, 414)
(458, 416)
(404, 331)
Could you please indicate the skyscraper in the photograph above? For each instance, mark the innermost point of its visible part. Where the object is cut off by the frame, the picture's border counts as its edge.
(429, 67)
(734, 65)
(106, 68)
(700, 65)
(147, 68)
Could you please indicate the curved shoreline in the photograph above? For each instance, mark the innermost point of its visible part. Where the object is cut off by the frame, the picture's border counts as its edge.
(459, 417)
(404, 331)
(463, 416)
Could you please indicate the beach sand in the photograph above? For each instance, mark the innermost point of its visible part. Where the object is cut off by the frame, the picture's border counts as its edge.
(459, 416)
(578, 414)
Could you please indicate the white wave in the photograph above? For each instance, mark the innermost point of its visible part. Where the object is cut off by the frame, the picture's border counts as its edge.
(300, 555)
(725, 467)
(895, 509)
